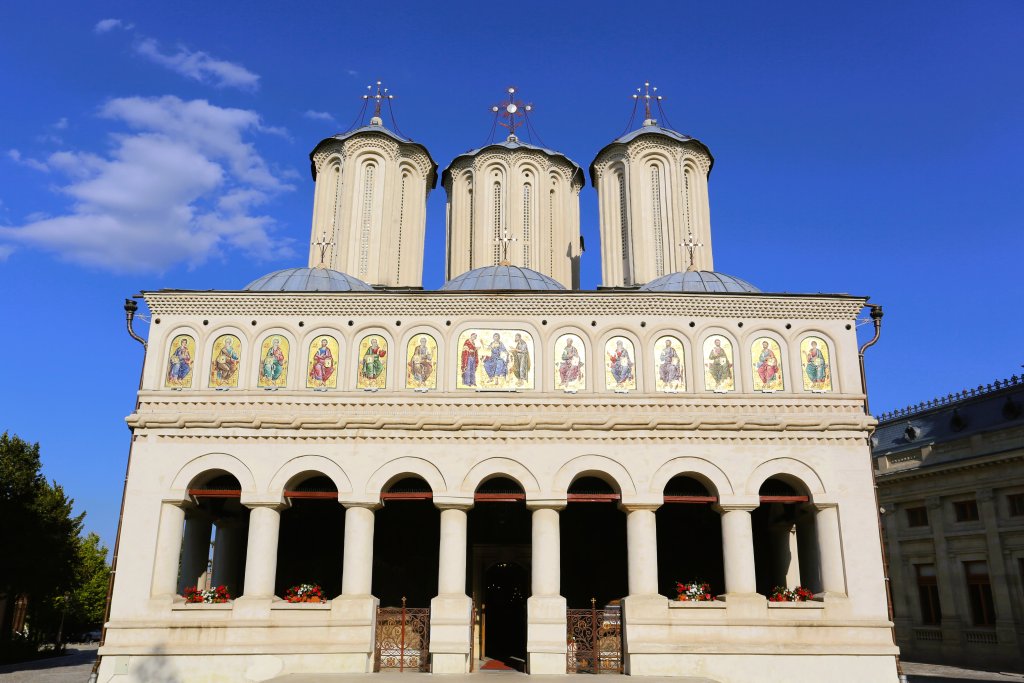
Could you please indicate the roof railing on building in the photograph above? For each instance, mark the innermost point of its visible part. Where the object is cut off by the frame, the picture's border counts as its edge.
(950, 399)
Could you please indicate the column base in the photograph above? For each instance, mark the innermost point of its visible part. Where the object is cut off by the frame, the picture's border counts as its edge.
(545, 634)
(253, 606)
(743, 605)
(450, 632)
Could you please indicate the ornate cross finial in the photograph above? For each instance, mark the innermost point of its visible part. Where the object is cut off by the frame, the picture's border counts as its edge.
(378, 98)
(323, 243)
(514, 112)
(505, 241)
(691, 245)
(649, 94)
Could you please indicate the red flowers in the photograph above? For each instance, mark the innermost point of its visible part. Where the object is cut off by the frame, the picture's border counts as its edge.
(218, 594)
(305, 592)
(798, 594)
(694, 591)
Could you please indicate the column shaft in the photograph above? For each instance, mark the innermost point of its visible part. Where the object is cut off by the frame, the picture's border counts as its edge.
(168, 549)
(547, 567)
(261, 555)
(451, 572)
(357, 565)
(195, 550)
(738, 551)
(642, 549)
(830, 548)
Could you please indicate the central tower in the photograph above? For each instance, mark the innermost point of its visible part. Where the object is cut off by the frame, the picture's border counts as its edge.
(514, 201)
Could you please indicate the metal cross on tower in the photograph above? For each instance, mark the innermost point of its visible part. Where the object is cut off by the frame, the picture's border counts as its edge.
(378, 98)
(505, 241)
(514, 112)
(323, 243)
(691, 245)
(649, 94)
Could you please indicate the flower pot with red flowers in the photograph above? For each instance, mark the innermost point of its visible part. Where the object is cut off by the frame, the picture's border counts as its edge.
(305, 592)
(215, 595)
(693, 591)
(798, 594)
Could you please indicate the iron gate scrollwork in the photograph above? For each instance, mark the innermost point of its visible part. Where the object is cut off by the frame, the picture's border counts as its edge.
(403, 639)
(594, 640)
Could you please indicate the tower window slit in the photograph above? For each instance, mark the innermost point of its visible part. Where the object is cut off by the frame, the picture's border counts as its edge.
(367, 222)
(624, 230)
(401, 220)
(527, 213)
(659, 242)
(551, 232)
(497, 222)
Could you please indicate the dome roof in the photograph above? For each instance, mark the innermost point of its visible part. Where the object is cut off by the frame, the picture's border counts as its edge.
(307, 280)
(513, 144)
(649, 128)
(380, 130)
(699, 281)
(502, 277)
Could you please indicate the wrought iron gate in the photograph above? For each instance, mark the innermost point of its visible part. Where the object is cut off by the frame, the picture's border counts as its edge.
(403, 639)
(594, 640)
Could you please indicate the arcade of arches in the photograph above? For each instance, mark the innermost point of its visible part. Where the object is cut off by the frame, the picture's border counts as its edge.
(503, 550)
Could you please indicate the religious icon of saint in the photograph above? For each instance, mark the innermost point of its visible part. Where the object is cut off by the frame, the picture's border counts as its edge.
(570, 367)
(519, 359)
(371, 368)
(767, 369)
(322, 365)
(620, 365)
(179, 374)
(224, 370)
(816, 365)
(719, 366)
(670, 367)
(273, 367)
(421, 364)
(496, 362)
(468, 361)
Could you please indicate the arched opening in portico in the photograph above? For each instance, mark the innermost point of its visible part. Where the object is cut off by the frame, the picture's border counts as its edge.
(785, 538)
(689, 537)
(311, 542)
(215, 539)
(499, 557)
(593, 544)
(406, 540)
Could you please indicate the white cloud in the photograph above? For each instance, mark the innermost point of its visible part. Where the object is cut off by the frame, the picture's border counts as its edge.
(16, 156)
(62, 123)
(199, 66)
(318, 115)
(5, 251)
(107, 25)
(352, 72)
(179, 187)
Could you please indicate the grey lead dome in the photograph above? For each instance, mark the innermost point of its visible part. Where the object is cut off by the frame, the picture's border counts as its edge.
(502, 277)
(307, 280)
(699, 281)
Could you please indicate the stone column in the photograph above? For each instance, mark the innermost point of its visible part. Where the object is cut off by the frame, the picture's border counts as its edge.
(642, 550)
(357, 572)
(997, 574)
(738, 549)
(787, 554)
(945, 576)
(807, 547)
(830, 550)
(168, 549)
(451, 612)
(545, 631)
(260, 560)
(195, 551)
(227, 553)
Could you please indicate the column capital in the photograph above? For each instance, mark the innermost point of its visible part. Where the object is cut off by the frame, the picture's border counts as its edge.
(453, 502)
(731, 503)
(355, 500)
(641, 502)
(818, 505)
(273, 503)
(555, 504)
(637, 507)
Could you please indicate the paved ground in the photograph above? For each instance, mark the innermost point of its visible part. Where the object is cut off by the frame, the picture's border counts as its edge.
(75, 666)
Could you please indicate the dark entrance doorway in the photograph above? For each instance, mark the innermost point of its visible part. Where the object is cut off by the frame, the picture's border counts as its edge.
(406, 540)
(504, 629)
(593, 539)
(499, 573)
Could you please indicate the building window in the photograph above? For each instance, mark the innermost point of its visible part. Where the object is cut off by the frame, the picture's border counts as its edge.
(496, 221)
(401, 223)
(627, 274)
(917, 516)
(367, 222)
(1016, 503)
(966, 510)
(979, 592)
(527, 216)
(659, 247)
(928, 594)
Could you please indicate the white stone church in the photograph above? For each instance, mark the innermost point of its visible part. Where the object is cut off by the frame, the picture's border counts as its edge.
(509, 472)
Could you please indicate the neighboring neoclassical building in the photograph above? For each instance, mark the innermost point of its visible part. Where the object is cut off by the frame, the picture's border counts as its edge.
(526, 468)
(950, 477)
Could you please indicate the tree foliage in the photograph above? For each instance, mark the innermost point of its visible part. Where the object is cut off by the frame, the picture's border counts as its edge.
(43, 555)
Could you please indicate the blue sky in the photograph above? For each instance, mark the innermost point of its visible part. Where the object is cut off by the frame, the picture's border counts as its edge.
(869, 148)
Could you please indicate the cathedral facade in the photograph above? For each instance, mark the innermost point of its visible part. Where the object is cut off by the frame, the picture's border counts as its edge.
(334, 470)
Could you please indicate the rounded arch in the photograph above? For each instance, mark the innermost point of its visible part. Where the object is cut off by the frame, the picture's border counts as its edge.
(636, 355)
(268, 333)
(586, 354)
(365, 333)
(703, 470)
(167, 346)
(214, 461)
(599, 466)
(409, 337)
(499, 467)
(752, 342)
(398, 468)
(244, 350)
(309, 463)
(789, 470)
(796, 341)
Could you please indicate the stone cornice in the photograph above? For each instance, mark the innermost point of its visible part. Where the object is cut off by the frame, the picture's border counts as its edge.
(505, 304)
